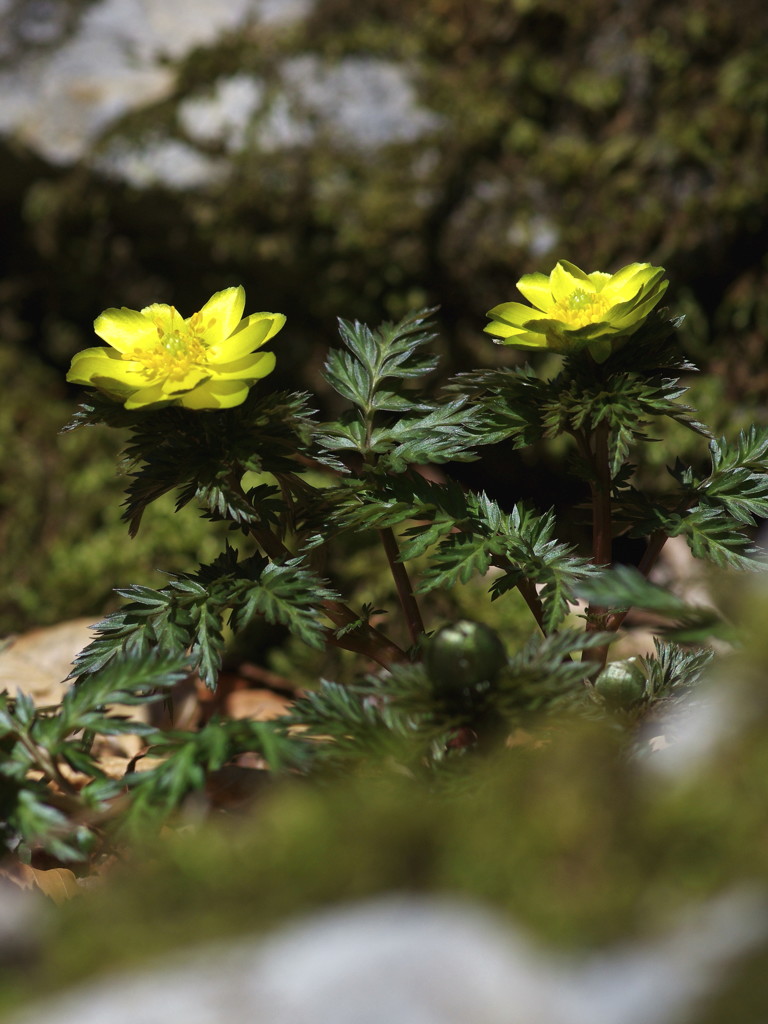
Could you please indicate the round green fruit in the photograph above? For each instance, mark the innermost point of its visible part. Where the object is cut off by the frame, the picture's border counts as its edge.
(464, 654)
(621, 684)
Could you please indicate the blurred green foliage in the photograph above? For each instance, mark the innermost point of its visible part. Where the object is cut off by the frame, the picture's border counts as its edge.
(559, 833)
(64, 546)
(607, 133)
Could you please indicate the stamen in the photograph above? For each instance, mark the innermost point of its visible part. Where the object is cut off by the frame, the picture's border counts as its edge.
(581, 307)
(174, 354)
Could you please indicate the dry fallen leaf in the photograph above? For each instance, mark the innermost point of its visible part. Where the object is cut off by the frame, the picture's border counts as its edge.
(37, 662)
(258, 705)
(59, 884)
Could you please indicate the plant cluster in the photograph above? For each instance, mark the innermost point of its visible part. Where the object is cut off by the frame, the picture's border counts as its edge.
(288, 486)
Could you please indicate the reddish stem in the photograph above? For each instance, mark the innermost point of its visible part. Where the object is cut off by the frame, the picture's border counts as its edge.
(602, 531)
(403, 584)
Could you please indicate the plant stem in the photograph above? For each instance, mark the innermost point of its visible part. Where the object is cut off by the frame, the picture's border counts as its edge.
(532, 599)
(601, 499)
(46, 763)
(602, 531)
(366, 640)
(403, 584)
(656, 542)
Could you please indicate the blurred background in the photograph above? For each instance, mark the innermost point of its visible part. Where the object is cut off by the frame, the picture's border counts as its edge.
(353, 159)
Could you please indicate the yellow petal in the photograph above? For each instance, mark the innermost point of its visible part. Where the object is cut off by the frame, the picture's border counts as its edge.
(164, 319)
(514, 336)
(220, 315)
(599, 279)
(124, 329)
(629, 279)
(106, 364)
(250, 367)
(627, 313)
(515, 313)
(502, 330)
(194, 376)
(537, 289)
(215, 395)
(252, 333)
(147, 396)
(566, 278)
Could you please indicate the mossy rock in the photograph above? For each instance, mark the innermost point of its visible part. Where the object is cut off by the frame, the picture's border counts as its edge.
(560, 833)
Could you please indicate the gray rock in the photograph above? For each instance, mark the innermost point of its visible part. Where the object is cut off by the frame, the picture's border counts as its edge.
(419, 961)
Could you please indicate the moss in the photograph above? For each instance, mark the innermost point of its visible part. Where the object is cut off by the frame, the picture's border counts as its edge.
(561, 835)
(64, 545)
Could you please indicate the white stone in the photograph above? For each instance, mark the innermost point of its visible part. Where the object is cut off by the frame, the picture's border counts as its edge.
(225, 114)
(59, 101)
(422, 961)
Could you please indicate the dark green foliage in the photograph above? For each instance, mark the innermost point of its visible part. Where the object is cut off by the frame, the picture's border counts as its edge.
(711, 511)
(203, 457)
(409, 717)
(636, 386)
(374, 372)
(63, 541)
(737, 483)
(675, 670)
(189, 759)
(291, 487)
(190, 613)
(35, 815)
(519, 543)
(623, 587)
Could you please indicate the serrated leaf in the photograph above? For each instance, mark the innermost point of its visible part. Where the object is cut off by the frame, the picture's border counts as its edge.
(624, 587)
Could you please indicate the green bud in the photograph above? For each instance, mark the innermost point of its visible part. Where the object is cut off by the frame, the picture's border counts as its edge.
(621, 684)
(464, 654)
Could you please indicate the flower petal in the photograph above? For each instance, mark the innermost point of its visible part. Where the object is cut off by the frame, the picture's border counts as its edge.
(623, 281)
(194, 376)
(566, 278)
(147, 396)
(252, 333)
(514, 336)
(215, 395)
(165, 319)
(515, 313)
(537, 289)
(125, 329)
(105, 364)
(599, 279)
(220, 315)
(249, 368)
(633, 312)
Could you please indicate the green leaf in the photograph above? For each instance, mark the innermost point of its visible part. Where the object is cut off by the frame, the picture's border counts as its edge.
(623, 587)
(520, 544)
(203, 457)
(287, 593)
(674, 668)
(190, 613)
(738, 482)
(712, 536)
(390, 354)
(189, 758)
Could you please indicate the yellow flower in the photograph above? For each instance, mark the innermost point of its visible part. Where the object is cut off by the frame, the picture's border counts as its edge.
(208, 361)
(574, 309)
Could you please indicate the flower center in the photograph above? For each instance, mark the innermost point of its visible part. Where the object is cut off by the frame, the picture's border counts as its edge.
(581, 308)
(174, 353)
